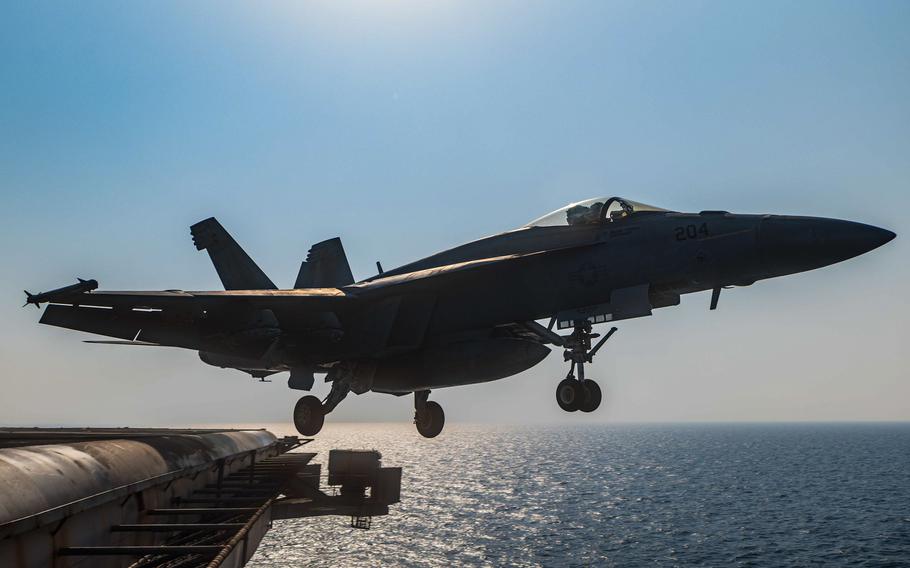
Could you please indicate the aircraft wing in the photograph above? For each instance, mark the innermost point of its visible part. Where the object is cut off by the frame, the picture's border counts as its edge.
(170, 317)
(187, 300)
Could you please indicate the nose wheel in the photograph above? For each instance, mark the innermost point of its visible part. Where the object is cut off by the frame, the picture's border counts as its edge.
(573, 395)
(578, 393)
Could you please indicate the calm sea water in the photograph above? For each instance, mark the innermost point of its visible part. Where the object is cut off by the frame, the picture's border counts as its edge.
(707, 495)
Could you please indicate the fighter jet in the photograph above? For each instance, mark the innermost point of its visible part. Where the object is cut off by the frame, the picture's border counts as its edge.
(470, 314)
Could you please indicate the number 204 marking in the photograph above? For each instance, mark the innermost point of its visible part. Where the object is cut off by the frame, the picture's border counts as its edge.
(691, 232)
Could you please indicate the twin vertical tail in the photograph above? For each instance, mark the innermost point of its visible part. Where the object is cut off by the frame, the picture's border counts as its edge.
(234, 266)
(326, 265)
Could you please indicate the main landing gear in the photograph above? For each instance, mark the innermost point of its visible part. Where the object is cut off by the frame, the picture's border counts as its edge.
(580, 393)
(309, 413)
(428, 415)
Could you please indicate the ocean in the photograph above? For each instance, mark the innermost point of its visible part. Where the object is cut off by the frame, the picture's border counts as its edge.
(621, 495)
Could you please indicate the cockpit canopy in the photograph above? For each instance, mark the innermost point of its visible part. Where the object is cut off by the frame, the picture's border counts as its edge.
(593, 211)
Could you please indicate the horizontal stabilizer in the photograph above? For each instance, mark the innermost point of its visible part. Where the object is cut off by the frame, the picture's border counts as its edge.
(326, 266)
(234, 266)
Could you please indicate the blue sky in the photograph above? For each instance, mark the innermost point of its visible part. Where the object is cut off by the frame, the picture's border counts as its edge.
(406, 127)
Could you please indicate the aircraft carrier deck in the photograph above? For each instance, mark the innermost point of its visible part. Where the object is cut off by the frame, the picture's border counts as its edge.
(162, 497)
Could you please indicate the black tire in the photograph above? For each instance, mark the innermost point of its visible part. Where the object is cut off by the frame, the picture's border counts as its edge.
(430, 420)
(592, 396)
(309, 416)
(569, 394)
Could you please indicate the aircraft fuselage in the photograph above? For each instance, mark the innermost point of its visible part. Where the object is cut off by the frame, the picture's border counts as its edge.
(465, 315)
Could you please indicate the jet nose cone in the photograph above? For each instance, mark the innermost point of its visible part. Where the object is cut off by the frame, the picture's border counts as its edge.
(794, 244)
(882, 236)
(840, 240)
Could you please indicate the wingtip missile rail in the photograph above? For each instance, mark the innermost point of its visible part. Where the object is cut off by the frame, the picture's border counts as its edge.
(79, 287)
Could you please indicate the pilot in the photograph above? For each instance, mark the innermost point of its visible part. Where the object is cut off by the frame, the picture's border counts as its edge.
(619, 214)
(581, 215)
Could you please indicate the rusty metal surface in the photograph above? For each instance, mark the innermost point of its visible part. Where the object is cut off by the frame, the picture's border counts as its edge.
(218, 534)
(113, 498)
(255, 527)
(42, 483)
(34, 436)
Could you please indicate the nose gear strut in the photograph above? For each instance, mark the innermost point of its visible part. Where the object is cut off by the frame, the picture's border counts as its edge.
(580, 393)
(578, 348)
(575, 393)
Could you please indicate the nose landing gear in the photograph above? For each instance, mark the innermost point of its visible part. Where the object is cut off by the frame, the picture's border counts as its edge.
(580, 393)
(573, 394)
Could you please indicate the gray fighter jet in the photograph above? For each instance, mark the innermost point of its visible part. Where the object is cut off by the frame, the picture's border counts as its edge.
(466, 315)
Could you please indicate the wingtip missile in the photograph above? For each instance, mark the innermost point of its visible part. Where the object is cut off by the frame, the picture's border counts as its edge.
(65, 292)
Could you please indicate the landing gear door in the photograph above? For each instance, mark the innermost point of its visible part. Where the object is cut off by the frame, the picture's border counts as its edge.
(631, 302)
(625, 303)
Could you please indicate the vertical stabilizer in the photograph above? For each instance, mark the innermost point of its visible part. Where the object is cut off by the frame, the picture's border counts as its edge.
(326, 266)
(235, 267)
